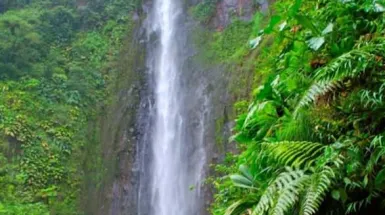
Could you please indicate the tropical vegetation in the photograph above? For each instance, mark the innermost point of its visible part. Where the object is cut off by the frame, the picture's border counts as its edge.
(312, 137)
(56, 62)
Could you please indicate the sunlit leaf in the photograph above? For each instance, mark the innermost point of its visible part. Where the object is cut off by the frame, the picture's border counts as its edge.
(282, 26)
(255, 42)
(241, 181)
(316, 42)
(379, 7)
(328, 29)
(273, 22)
(246, 172)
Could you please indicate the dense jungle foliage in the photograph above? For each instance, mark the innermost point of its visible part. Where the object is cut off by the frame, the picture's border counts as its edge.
(312, 138)
(56, 61)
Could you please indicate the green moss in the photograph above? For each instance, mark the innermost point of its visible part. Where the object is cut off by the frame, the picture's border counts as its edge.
(241, 107)
(232, 40)
(219, 124)
(204, 10)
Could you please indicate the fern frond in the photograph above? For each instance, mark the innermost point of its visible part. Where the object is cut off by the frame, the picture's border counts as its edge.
(338, 161)
(350, 64)
(373, 99)
(289, 194)
(315, 91)
(282, 193)
(260, 113)
(316, 191)
(295, 154)
(286, 199)
(377, 152)
(357, 205)
(266, 200)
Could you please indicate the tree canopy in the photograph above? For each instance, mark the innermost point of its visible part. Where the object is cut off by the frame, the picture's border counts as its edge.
(55, 63)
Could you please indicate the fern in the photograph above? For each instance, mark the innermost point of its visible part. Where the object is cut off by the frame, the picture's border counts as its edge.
(311, 184)
(373, 98)
(355, 206)
(289, 193)
(294, 154)
(349, 65)
(316, 191)
(282, 193)
(352, 63)
(286, 190)
(316, 90)
(307, 161)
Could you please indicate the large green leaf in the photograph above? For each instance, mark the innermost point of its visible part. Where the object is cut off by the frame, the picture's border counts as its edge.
(295, 8)
(328, 29)
(380, 179)
(241, 181)
(273, 22)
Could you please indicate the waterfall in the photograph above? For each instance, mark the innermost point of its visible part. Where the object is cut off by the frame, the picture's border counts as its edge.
(177, 155)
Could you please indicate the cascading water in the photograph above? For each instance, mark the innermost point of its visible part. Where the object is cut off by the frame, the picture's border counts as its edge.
(178, 156)
(161, 134)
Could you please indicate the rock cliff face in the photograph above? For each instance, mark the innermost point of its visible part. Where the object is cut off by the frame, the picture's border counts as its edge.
(123, 187)
(244, 10)
(112, 188)
(227, 9)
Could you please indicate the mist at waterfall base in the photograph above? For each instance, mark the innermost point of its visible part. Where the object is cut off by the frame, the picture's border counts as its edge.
(177, 152)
